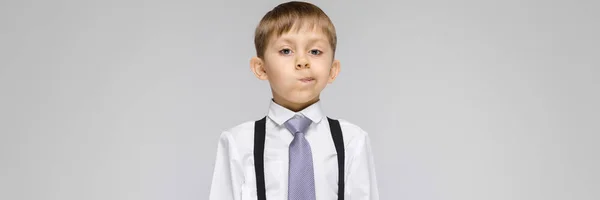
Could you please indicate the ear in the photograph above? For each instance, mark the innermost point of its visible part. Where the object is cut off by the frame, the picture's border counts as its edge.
(334, 71)
(257, 66)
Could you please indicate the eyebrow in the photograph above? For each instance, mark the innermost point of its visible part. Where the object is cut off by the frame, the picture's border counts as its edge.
(311, 41)
(286, 40)
(315, 40)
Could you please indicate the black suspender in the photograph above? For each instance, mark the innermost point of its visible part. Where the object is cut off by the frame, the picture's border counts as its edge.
(259, 148)
(338, 140)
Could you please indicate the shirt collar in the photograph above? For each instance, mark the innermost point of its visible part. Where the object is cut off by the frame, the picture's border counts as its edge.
(280, 114)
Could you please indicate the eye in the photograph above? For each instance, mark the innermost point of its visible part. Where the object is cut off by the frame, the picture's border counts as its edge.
(285, 51)
(316, 52)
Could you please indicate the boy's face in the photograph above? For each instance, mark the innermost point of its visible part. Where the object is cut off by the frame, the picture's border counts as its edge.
(298, 65)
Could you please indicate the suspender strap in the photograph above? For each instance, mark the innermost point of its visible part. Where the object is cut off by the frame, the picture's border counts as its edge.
(338, 141)
(259, 149)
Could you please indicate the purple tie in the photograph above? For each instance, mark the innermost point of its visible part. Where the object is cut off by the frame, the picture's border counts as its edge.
(301, 185)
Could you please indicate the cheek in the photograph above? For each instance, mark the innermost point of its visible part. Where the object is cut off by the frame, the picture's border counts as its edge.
(323, 72)
(279, 78)
(277, 74)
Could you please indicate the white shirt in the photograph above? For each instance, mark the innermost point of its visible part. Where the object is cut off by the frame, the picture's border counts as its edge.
(234, 176)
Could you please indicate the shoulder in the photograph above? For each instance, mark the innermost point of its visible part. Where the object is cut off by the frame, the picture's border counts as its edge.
(352, 132)
(356, 139)
(238, 134)
(350, 127)
(239, 129)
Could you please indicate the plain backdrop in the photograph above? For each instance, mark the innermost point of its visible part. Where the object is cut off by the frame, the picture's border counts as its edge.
(464, 100)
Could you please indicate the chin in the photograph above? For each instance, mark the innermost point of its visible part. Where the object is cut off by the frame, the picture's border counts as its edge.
(298, 97)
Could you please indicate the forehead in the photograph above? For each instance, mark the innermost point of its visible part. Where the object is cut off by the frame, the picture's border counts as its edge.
(300, 33)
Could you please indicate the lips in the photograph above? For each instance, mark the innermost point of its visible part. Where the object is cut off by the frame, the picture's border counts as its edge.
(307, 79)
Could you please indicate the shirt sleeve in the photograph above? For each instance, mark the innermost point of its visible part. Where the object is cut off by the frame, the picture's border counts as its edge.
(361, 181)
(228, 175)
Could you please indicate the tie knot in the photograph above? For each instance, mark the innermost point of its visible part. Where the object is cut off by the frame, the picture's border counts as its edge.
(298, 123)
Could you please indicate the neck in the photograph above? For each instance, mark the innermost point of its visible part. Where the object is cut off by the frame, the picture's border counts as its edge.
(295, 107)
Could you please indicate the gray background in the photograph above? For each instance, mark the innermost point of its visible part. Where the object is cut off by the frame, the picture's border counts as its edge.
(463, 99)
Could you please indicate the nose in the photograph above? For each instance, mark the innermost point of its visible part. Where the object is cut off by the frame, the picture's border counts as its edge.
(302, 63)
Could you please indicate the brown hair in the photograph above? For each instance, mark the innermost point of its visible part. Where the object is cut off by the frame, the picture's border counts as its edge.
(290, 15)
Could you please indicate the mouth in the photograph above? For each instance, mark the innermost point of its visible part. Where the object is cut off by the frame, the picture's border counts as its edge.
(307, 79)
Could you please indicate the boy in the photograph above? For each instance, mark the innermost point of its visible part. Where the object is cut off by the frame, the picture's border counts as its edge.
(295, 152)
